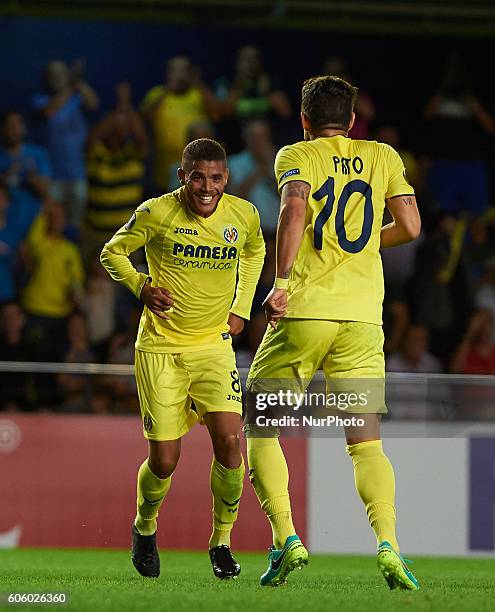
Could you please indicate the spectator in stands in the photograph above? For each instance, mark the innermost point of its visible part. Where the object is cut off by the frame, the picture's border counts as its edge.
(55, 282)
(396, 317)
(440, 287)
(413, 355)
(171, 108)
(78, 346)
(76, 387)
(251, 94)
(364, 106)
(389, 134)
(476, 352)
(13, 347)
(485, 296)
(479, 249)
(24, 168)
(198, 129)
(457, 124)
(99, 305)
(116, 152)
(398, 271)
(60, 109)
(122, 389)
(251, 173)
(12, 230)
(411, 399)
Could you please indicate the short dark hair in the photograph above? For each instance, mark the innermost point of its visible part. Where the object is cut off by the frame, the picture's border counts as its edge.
(202, 149)
(328, 101)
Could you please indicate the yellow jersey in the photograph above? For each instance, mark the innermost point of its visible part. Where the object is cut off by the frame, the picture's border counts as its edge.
(337, 273)
(173, 117)
(115, 185)
(210, 266)
(57, 274)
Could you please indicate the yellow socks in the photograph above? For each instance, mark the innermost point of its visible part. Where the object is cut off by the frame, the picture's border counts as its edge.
(151, 492)
(226, 486)
(270, 478)
(375, 483)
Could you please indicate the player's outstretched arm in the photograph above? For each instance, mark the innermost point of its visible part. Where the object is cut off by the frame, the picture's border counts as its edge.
(290, 230)
(406, 224)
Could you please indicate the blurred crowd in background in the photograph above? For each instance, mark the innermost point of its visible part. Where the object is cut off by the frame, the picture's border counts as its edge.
(71, 174)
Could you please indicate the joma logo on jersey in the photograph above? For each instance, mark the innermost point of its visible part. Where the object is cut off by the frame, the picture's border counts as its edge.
(204, 252)
(185, 230)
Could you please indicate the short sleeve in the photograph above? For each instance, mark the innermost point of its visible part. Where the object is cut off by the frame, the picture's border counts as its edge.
(397, 183)
(291, 165)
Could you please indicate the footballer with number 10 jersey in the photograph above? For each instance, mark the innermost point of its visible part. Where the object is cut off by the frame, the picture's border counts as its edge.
(325, 311)
(338, 273)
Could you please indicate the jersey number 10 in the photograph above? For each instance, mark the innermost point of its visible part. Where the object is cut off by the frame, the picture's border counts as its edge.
(328, 190)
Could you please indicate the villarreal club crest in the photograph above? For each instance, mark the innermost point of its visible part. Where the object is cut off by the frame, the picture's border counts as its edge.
(230, 234)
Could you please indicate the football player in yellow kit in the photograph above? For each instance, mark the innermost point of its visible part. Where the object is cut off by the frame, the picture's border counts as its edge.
(325, 309)
(205, 252)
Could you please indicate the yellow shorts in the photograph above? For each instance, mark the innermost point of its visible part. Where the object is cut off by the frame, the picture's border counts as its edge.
(168, 383)
(342, 349)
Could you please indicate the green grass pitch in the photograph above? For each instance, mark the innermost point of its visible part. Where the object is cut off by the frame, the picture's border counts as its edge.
(101, 581)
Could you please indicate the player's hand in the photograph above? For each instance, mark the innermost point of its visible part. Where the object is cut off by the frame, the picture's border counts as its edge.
(236, 324)
(157, 299)
(275, 306)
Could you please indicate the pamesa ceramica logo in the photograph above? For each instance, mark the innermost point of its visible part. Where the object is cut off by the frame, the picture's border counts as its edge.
(230, 234)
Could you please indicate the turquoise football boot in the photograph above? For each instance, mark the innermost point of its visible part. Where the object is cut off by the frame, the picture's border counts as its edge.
(394, 569)
(281, 562)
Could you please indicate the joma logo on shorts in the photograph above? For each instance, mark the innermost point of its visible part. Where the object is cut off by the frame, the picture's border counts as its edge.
(185, 230)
